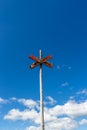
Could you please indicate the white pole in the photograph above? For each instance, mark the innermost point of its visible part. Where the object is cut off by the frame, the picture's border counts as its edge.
(41, 96)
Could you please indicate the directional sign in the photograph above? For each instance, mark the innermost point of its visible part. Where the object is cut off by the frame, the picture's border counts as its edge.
(40, 61)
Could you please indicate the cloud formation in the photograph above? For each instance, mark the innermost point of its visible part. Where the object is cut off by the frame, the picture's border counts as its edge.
(51, 101)
(84, 91)
(71, 109)
(2, 101)
(29, 103)
(58, 124)
(67, 67)
(65, 84)
(83, 122)
(57, 117)
(16, 114)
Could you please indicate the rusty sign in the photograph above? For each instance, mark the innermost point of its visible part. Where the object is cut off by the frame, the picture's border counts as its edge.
(40, 61)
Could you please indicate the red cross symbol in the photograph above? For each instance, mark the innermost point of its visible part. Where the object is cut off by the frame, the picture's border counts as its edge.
(40, 61)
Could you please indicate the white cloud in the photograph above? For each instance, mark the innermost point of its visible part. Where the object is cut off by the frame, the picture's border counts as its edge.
(67, 67)
(32, 128)
(16, 114)
(71, 109)
(65, 84)
(29, 103)
(33, 115)
(62, 124)
(58, 124)
(3, 100)
(13, 114)
(83, 122)
(64, 67)
(13, 99)
(50, 100)
(68, 113)
(72, 97)
(84, 91)
(48, 117)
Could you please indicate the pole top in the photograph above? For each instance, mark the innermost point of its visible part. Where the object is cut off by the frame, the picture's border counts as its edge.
(40, 50)
(40, 54)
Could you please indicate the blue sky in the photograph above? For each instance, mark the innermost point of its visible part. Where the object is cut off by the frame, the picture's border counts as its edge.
(58, 28)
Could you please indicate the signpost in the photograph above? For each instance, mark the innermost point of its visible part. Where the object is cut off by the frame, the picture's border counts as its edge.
(39, 62)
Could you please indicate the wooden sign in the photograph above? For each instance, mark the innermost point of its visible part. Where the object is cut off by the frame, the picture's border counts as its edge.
(40, 61)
